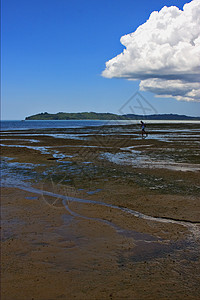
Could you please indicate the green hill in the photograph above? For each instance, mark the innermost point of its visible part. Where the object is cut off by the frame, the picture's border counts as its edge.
(106, 116)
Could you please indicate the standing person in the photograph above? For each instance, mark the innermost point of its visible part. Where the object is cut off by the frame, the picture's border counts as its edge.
(143, 128)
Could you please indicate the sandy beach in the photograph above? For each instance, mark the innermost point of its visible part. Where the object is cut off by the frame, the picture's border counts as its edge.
(100, 213)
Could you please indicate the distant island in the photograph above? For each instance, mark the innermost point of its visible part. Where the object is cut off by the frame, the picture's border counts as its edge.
(107, 116)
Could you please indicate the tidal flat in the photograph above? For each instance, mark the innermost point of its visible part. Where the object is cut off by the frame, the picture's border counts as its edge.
(101, 212)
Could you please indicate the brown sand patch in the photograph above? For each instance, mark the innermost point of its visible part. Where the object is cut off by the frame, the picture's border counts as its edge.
(48, 254)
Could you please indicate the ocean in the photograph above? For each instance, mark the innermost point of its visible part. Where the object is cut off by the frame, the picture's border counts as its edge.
(45, 124)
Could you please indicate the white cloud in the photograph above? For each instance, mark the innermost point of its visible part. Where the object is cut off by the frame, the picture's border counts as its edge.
(164, 53)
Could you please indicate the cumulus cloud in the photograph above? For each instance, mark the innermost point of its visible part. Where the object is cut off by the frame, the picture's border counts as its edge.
(164, 53)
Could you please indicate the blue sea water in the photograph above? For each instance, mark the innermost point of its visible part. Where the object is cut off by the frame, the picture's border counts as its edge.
(45, 124)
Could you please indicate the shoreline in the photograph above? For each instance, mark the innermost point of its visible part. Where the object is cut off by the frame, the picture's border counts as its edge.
(115, 231)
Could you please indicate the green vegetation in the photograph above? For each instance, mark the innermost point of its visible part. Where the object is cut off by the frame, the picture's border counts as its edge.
(107, 116)
(75, 116)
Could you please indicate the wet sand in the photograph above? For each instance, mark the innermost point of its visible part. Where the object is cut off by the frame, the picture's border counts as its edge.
(67, 249)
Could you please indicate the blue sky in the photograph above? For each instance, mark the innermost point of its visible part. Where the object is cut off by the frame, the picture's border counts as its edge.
(54, 51)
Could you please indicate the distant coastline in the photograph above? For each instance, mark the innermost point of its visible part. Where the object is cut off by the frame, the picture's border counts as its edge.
(107, 116)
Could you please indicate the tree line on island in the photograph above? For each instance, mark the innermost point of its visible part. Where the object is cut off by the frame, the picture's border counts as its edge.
(107, 116)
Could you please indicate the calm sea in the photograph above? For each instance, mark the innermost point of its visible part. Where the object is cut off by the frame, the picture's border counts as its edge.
(23, 125)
